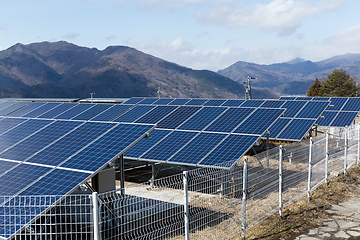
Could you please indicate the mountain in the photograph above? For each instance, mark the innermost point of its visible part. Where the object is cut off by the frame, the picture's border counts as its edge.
(62, 69)
(293, 77)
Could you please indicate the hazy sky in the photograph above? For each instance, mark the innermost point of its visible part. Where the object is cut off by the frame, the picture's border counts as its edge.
(201, 34)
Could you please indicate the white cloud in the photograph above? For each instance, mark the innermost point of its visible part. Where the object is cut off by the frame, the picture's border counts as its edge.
(70, 36)
(282, 16)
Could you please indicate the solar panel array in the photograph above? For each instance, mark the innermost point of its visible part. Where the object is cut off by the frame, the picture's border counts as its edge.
(341, 114)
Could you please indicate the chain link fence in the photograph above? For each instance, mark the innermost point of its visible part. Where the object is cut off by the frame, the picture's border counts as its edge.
(197, 204)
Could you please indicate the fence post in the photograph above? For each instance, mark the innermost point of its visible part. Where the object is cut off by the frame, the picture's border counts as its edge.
(326, 157)
(309, 175)
(345, 151)
(95, 215)
(280, 179)
(186, 205)
(244, 197)
(358, 156)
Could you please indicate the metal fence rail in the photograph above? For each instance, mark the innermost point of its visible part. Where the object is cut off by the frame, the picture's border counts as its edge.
(198, 204)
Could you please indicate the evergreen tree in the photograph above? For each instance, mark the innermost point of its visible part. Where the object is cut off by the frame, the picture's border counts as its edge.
(314, 89)
(339, 84)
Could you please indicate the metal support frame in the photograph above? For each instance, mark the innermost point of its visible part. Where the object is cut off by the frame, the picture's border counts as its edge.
(95, 215)
(280, 179)
(186, 205)
(152, 179)
(358, 155)
(122, 175)
(244, 197)
(310, 166)
(345, 150)
(267, 148)
(326, 158)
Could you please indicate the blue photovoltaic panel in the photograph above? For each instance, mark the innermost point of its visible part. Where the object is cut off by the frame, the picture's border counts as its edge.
(6, 166)
(112, 113)
(296, 129)
(277, 127)
(103, 150)
(252, 103)
(20, 132)
(179, 101)
(228, 121)
(259, 121)
(287, 98)
(177, 117)
(328, 118)
(26, 109)
(7, 123)
(163, 101)
(353, 104)
(41, 110)
(65, 147)
(196, 102)
(12, 108)
(321, 98)
(133, 100)
(72, 112)
(233, 103)
(39, 140)
(20, 177)
(214, 102)
(337, 102)
(202, 118)
(92, 112)
(304, 98)
(194, 151)
(156, 114)
(146, 143)
(57, 110)
(293, 107)
(344, 119)
(57, 182)
(312, 109)
(272, 104)
(148, 101)
(229, 151)
(134, 113)
(169, 145)
(5, 104)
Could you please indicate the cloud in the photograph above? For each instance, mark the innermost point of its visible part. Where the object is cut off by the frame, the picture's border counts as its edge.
(112, 37)
(70, 36)
(281, 16)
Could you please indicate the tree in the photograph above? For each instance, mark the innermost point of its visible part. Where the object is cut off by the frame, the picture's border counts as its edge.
(339, 84)
(314, 89)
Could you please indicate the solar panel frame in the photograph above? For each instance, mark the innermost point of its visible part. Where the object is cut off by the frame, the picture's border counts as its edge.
(329, 117)
(163, 101)
(292, 131)
(134, 113)
(337, 102)
(74, 111)
(25, 110)
(178, 116)
(287, 98)
(352, 104)
(156, 114)
(273, 104)
(215, 102)
(148, 101)
(196, 102)
(179, 101)
(42, 109)
(112, 113)
(252, 103)
(92, 112)
(13, 108)
(57, 110)
(312, 109)
(343, 119)
(134, 100)
(233, 103)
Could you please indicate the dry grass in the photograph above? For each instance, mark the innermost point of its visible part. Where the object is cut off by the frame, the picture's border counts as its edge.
(302, 215)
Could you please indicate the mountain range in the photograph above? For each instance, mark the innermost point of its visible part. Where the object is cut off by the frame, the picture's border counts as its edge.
(61, 69)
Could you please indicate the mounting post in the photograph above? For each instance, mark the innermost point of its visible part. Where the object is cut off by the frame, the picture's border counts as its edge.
(244, 197)
(267, 148)
(280, 179)
(95, 215)
(358, 156)
(310, 165)
(345, 150)
(326, 157)
(186, 204)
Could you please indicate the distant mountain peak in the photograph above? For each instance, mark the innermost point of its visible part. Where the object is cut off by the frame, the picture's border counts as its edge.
(296, 60)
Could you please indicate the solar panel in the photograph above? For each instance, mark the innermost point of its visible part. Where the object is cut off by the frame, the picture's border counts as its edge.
(252, 103)
(287, 98)
(8, 123)
(134, 113)
(296, 129)
(353, 104)
(57, 110)
(92, 112)
(177, 117)
(155, 115)
(304, 98)
(41, 110)
(228, 121)
(321, 98)
(328, 118)
(30, 107)
(72, 112)
(337, 103)
(312, 109)
(163, 101)
(344, 119)
(233, 103)
(148, 101)
(169, 145)
(12, 108)
(179, 101)
(112, 113)
(194, 151)
(259, 121)
(202, 118)
(293, 107)
(146, 143)
(214, 102)
(272, 104)
(6, 165)
(196, 102)
(229, 151)
(5, 104)
(277, 127)
(133, 100)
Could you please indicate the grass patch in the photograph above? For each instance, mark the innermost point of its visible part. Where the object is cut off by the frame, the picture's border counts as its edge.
(303, 215)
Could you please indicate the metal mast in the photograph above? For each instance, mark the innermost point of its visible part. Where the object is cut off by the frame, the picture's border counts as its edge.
(248, 88)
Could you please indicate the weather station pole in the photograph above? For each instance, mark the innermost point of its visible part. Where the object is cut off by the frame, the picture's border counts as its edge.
(91, 95)
(248, 95)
